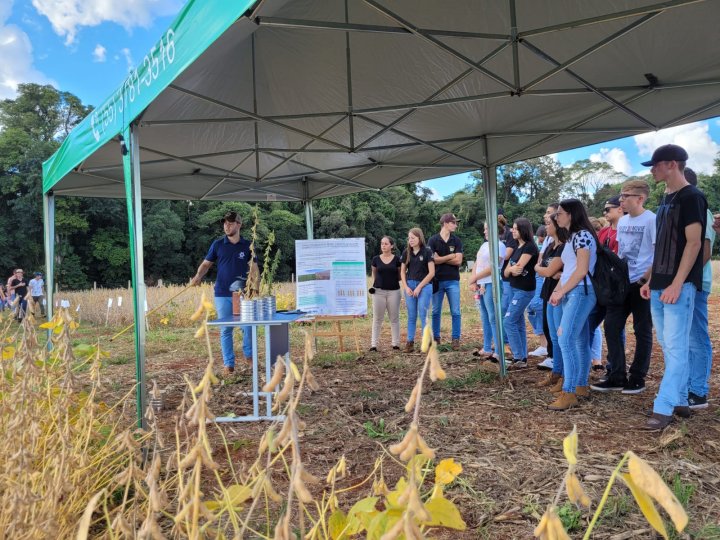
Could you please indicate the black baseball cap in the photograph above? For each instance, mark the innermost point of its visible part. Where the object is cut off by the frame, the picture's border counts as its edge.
(38, 274)
(232, 217)
(668, 152)
(614, 201)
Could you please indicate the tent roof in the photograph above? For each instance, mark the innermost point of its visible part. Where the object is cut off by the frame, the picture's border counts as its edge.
(301, 99)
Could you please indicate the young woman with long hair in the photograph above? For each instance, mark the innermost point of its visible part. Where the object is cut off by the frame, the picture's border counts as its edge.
(386, 296)
(416, 273)
(550, 267)
(520, 272)
(575, 294)
(481, 283)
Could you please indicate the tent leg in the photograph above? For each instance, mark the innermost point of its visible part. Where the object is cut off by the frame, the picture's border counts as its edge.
(49, 218)
(131, 166)
(490, 190)
(309, 219)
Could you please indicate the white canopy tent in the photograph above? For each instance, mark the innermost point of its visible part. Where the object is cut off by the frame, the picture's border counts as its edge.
(293, 100)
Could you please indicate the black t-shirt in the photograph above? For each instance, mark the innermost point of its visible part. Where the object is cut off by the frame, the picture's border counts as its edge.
(19, 291)
(387, 276)
(549, 284)
(677, 211)
(418, 266)
(509, 242)
(526, 280)
(445, 271)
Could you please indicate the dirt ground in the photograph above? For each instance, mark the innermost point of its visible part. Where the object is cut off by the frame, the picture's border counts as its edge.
(509, 443)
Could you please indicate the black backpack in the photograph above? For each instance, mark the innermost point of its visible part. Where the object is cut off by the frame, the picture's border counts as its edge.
(611, 279)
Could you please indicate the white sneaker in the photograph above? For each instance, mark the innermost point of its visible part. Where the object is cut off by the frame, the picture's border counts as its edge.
(540, 351)
(546, 364)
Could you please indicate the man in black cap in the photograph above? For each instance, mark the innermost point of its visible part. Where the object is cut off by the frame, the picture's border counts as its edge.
(612, 212)
(448, 255)
(232, 254)
(675, 278)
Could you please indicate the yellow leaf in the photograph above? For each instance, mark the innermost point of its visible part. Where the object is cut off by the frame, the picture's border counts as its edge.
(646, 506)
(74, 325)
(383, 522)
(446, 471)
(650, 482)
(295, 371)
(391, 500)
(570, 446)
(576, 492)
(337, 523)
(360, 515)
(235, 494)
(164, 320)
(48, 325)
(8, 353)
(444, 513)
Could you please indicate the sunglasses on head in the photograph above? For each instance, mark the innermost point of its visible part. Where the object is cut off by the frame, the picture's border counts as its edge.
(608, 208)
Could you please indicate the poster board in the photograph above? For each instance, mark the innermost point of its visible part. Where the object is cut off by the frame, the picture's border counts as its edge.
(331, 277)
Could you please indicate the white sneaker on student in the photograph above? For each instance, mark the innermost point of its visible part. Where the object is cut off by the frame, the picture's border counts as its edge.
(546, 364)
(540, 351)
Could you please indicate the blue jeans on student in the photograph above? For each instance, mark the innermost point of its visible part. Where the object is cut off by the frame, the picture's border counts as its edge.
(514, 323)
(505, 302)
(417, 307)
(223, 306)
(486, 307)
(554, 316)
(672, 324)
(535, 308)
(700, 348)
(574, 338)
(596, 345)
(451, 288)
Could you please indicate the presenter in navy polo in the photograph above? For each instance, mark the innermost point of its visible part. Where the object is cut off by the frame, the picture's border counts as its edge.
(232, 255)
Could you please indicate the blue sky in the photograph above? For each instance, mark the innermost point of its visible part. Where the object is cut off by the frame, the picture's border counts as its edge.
(87, 46)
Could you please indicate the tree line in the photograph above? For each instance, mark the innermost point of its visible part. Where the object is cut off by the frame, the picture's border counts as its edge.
(91, 240)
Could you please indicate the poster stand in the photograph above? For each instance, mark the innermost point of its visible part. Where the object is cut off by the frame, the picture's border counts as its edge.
(336, 329)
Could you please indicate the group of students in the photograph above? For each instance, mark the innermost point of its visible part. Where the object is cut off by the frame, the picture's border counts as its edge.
(424, 273)
(18, 291)
(668, 281)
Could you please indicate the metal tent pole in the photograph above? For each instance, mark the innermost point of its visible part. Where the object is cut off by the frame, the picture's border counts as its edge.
(309, 219)
(49, 218)
(131, 166)
(490, 190)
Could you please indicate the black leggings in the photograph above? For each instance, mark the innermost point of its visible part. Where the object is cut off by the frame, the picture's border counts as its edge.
(546, 330)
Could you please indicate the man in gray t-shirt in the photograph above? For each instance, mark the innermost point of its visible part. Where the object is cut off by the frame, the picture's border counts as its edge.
(636, 244)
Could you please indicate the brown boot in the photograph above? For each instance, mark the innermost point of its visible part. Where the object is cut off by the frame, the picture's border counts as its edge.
(410, 347)
(582, 391)
(564, 402)
(557, 387)
(455, 345)
(550, 380)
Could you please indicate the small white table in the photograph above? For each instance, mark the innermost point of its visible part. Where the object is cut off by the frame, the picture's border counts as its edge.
(277, 343)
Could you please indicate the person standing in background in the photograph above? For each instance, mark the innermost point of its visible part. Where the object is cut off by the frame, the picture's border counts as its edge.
(18, 290)
(417, 270)
(448, 255)
(37, 287)
(386, 292)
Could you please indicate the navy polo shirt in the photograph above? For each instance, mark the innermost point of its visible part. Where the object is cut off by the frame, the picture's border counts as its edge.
(232, 262)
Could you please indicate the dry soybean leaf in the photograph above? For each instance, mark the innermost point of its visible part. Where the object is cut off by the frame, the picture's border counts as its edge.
(570, 446)
(646, 506)
(446, 471)
(426, 339)
(576, 492)
(650, 482)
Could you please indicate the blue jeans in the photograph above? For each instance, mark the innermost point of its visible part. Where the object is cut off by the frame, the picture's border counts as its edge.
(451, 288)
(223, 306)
(417, 306)
(700, 348)
(505, 302)
(672, 324)
(514, 322)
(486, 307)
(535, 308)
(554, 316)
(596, 345)
(574, 337)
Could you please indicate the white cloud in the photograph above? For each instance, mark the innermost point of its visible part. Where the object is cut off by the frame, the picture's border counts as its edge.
(67, 16)
(128, 58)
(17, 60)
(615, 157)
(695, 138)
(99, 54)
